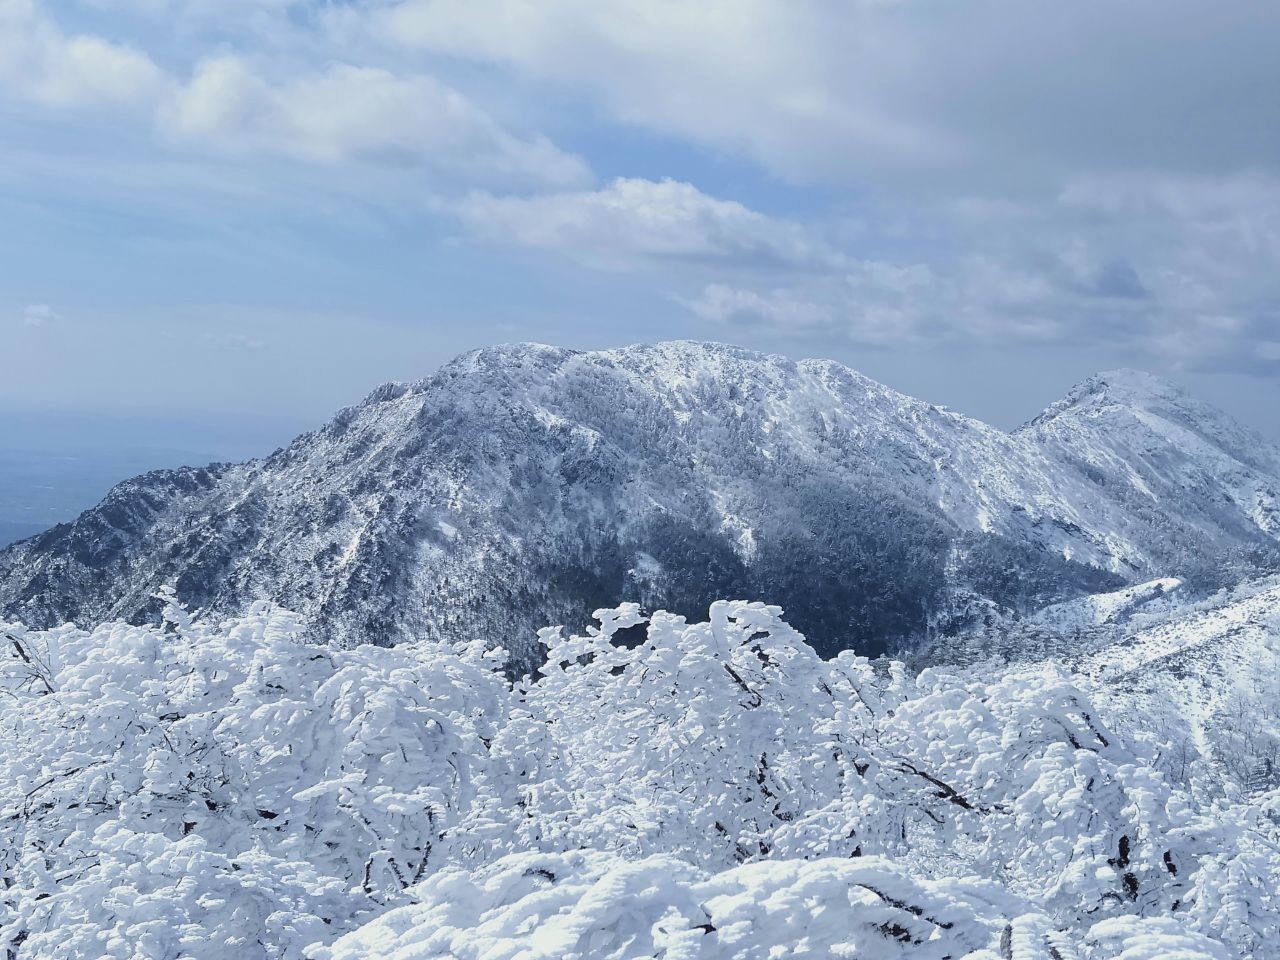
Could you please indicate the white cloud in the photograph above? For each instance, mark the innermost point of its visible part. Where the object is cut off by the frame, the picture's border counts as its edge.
(872, 303)
(1134, 252)
(39, 62)
(882, 303)
(1205, 248)
(39, 314)
(348, 112)
(842, 89)
(782, 309)
(751, 76)
(631, 221)
(337, 113)
(1177, 271)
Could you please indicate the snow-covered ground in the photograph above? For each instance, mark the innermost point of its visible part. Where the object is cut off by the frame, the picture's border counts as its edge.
(1097, 609)
(1206, 679)
(1083, 762)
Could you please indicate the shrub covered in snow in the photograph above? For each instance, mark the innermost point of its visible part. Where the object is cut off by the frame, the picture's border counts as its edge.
(713, 791)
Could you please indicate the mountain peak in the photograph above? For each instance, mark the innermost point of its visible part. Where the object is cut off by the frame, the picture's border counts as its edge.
(1138, 412)
(1123, 387)
(1134, 384)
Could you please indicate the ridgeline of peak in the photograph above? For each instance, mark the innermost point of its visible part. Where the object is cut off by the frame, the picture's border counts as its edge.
(674, 364)
(525, 484)
(679, 361)
(1123, 387)
(1128, 385)
(1134, 403)
(1134, 387)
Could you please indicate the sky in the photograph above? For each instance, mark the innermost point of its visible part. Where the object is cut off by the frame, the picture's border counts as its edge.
(222, 220)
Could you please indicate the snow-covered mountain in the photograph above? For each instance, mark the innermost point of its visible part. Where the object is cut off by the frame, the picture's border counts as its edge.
(524, 485)
(1162, 452)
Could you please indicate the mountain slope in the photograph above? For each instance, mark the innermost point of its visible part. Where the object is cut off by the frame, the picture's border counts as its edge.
(1165, 447)
(526, 485)
(1206, 678)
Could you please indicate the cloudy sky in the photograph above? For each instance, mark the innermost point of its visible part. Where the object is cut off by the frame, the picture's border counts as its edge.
(222, 219)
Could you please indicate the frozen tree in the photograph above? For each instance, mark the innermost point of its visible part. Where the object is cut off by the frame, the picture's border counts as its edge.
(661, 788)
(225, 785)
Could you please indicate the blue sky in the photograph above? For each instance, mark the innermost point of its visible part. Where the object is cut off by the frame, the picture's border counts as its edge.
(220, 220)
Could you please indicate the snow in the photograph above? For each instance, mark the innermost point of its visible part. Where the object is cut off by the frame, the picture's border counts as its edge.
(1097, 780)
(199, 790)
(1101, 608)
(595, 905)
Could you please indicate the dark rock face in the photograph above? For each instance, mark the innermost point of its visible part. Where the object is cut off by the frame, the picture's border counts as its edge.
(528, 485)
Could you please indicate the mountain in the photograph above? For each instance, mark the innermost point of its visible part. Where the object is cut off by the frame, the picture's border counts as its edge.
(1154, 446)
(525, 485)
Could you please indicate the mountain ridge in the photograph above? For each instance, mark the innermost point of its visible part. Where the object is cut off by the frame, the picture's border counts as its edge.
(525, 484)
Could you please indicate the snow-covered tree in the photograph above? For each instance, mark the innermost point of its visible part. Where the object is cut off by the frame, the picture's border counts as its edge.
(226, 785)
(660, 788)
